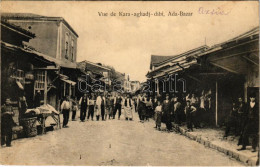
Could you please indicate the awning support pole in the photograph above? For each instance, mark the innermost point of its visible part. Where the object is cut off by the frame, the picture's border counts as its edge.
(216, 103)
(45, 87)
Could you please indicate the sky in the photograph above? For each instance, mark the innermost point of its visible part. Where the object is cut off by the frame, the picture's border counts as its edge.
(127, 42)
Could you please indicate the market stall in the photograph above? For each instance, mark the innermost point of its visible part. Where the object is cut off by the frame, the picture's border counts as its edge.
(42, 113)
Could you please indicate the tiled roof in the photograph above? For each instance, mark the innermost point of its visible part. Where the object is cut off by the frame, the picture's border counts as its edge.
(17, 28)
(158, 59)
(26, 16)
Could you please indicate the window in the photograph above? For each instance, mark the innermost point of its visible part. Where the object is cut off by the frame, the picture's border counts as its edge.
(39, 82)
(66, 46)
(18, 75)
(72, 50)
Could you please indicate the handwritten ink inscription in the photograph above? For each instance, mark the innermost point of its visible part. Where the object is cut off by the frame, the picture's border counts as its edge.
(217, 11)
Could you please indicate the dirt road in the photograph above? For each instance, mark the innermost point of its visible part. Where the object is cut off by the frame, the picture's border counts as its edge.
(111, 142)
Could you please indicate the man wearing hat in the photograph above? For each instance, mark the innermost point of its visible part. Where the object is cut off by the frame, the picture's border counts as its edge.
(252, 124)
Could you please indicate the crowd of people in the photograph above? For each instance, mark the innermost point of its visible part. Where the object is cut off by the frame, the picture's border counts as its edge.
(196, 112)
(98, 106)
(179, 109)
(185, 109)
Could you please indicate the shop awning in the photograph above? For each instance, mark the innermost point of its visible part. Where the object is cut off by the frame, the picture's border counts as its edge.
(69, 82)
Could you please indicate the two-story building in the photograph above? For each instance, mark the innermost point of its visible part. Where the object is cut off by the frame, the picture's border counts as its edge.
(56, 39)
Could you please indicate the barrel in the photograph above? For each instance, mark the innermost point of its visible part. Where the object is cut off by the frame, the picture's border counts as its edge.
(29, 126)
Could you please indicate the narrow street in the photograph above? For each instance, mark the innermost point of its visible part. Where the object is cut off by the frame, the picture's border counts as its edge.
(112, 142)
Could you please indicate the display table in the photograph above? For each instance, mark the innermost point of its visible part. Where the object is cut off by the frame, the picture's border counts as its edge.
(42, 113)
(42, 119)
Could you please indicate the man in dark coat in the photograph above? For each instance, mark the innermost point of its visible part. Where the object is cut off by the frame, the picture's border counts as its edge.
(7, 123)
(83, 103)
(252, 125)
(242, 115)
(117, 106)
(167, 112)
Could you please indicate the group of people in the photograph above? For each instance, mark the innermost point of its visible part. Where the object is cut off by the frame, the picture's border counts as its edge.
(7, 122)
(197, 111)
(103, 106)
(179, 109)
(244, 118)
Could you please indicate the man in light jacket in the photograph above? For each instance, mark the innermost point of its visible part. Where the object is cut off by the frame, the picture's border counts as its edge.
(65, 108)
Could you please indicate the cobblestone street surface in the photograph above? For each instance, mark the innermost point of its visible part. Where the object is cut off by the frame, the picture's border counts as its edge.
(112, 142)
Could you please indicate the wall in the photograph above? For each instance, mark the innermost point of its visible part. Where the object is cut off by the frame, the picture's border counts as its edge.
(46, 35)
(72, 36)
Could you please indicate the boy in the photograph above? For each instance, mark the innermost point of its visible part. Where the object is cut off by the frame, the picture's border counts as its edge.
(158, 111)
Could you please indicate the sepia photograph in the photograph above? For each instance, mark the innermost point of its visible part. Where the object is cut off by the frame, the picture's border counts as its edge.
(129, 83)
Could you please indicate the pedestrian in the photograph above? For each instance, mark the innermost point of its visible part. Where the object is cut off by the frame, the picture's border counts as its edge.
(98, 106)
(252, 125)
(139, 98)
(177, 111)
(103, 106)
(118, 106)
(231, 119)
(158, 111)
(91, 106)
(142, 109)
(74, 108)
(149, 109)
(37, 99)
(155, 103)
(242, 115)
(196, 115)
(22, 107)
(135, 103)
(189, 110)
(167, 112)
(128, 106)
(203, 113)
(65, 107)
(7, 123)
(83, 103)
(109, 104)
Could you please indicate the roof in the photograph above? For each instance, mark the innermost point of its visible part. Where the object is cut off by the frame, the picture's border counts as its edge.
(31, 16)
(57, 62)
(23, 50)
(247, 35)
(189, 52)
(155, 59)
(17, 28)
(254, 31)
(94, 67)
(185, 57)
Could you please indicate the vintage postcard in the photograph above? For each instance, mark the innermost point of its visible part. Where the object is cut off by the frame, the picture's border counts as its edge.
(129, 83)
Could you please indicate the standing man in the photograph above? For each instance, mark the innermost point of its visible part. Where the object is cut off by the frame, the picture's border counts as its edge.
(189, 110)
(74, 108)
(167, 112)
(98, 106)
(109, 105)
(177, 111)
(83, 103)
(242, 115)
(7, 123)
(91, 106)
(252, 125)
(128, 106)
(103, 105)
(65, 108)
(22, 107)
(118, 106)
(37, 99)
